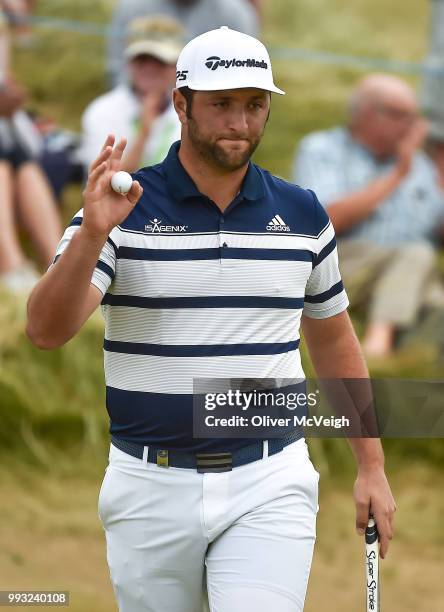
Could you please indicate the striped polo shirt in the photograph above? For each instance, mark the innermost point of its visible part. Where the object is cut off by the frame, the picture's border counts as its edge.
(192, 292)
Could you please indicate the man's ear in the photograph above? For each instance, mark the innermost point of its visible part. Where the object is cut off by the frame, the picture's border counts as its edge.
(180, 105)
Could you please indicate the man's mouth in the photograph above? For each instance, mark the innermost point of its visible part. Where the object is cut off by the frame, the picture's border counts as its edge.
(244, 140)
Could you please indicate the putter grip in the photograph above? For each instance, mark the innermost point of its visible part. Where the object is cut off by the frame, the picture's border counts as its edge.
(371, 532)
(372, 566)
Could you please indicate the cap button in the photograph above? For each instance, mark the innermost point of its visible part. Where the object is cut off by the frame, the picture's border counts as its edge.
(224, 28)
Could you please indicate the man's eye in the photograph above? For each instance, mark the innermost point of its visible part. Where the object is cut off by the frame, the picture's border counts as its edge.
(221, 104)
(256, 105)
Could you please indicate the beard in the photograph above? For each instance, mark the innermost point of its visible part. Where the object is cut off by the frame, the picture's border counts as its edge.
(216, 155)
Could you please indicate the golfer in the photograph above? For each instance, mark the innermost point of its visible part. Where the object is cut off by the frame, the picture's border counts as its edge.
(207, 268)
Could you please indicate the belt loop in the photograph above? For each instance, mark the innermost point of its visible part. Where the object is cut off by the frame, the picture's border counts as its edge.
(145, 454)
(264, 449)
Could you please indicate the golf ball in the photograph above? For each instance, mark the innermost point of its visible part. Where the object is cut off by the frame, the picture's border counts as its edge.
(121, 182)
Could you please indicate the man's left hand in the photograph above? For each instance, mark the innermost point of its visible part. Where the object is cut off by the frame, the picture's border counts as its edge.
(372, 494)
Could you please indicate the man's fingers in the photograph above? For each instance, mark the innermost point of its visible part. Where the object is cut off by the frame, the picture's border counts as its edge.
(417, 134)
(135, 192)
(103, 156)
(362, 510)
(95, 175)
(117, 153)
(383, 547)
(105, 152)
(109, 142)
(384, 542)
(422, 132)
(392, 520)
(384, 523)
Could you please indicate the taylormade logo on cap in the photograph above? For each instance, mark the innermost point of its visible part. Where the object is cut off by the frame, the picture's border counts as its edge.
(207, 63)
(214, 62)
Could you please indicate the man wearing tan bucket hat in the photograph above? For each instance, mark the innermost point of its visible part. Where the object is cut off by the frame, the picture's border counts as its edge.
(139, 109)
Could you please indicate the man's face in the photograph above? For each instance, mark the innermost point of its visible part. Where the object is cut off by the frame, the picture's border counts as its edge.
(225, 127)
(388, 122)
(148, 74)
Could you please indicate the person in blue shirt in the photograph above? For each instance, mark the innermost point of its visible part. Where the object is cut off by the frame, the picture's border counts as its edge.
(383, 197)
(207, 269)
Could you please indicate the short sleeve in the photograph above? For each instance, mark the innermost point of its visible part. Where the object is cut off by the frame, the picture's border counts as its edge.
(325, 295)
(105, 269)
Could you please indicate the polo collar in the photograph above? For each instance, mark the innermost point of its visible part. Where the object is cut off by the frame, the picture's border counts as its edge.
(182, 186)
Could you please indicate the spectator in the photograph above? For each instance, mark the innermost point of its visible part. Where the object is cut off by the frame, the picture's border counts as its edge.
(384, 201)
(25, 195)
(59, 156)
(141, 110)
(197, 17)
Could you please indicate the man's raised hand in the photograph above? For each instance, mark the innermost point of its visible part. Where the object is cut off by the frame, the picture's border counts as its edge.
(103, 208)
(410, 144)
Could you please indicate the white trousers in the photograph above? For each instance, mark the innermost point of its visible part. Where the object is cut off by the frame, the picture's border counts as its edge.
(253, 529)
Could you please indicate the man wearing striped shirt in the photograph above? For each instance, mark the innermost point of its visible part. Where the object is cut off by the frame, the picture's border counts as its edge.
(207, 268)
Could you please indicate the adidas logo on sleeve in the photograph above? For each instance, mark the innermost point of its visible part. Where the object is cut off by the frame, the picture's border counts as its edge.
(277, 225)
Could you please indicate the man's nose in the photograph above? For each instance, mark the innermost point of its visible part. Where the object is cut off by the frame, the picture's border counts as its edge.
(238, 121)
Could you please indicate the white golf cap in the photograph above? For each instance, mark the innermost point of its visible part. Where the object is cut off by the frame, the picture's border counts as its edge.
(225, 59)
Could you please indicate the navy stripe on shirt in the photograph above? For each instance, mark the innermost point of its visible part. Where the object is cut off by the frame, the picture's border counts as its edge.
(213, 253)
(325, 295)
(165, 420)
(101, 265)
(77, 221)
(323, 253)
(116, 250)
(199, 350)
(216, 301)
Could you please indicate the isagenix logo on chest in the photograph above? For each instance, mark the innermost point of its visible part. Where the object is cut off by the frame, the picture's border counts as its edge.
(155, 226)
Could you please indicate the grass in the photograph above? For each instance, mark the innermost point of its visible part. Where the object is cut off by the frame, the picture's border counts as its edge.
(51, 534)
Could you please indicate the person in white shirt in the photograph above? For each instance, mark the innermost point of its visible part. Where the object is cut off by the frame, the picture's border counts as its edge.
(139, 109)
